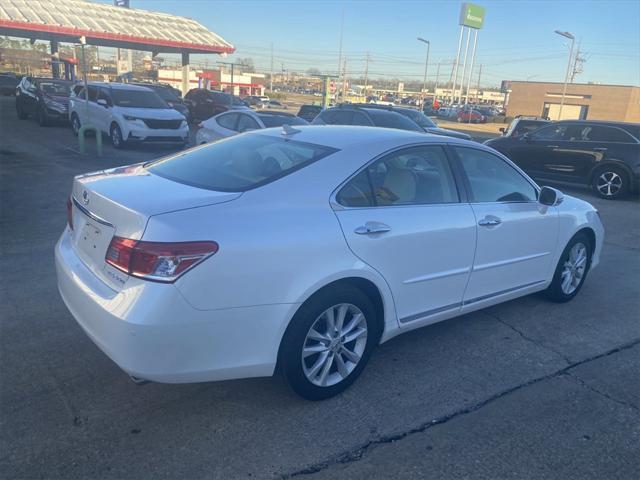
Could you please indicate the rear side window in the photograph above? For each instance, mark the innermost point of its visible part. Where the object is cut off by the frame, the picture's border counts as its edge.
(279, 120)
(239, 163)
(492, 179)
(393, 120)
(227, 121)
(598, 133)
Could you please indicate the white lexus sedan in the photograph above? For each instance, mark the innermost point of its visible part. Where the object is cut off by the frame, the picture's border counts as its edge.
(305, 248)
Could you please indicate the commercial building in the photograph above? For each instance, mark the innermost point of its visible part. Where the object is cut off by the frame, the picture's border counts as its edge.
(240, 84)
(582, 101)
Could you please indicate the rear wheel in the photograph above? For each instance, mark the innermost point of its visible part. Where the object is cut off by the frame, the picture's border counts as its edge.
(611, 182)
(116, 136)
(328, 342)
(571, 270)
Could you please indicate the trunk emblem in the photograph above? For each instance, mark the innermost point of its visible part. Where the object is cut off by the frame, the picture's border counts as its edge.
(85, 197)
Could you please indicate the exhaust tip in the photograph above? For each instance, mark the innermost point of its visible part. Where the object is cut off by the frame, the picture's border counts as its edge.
(138, 381)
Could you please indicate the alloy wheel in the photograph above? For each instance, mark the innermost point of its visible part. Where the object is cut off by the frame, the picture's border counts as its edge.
(334, 345)
(609, 184)
(75, 124)
(115, 137)
(574, 268)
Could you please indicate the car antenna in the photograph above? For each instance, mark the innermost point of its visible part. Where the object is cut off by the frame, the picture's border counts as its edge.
(289, 130)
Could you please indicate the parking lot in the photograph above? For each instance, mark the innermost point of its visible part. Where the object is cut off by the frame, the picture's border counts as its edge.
(526, 389)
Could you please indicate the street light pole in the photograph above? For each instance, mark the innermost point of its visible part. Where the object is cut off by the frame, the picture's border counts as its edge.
(426, 67)
(566, 77)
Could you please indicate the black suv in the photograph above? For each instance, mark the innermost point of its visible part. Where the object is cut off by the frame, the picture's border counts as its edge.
(204, 104)
(45, 98)
(603, 155)
(423, 121)
(521, 125)
(171, 95)
(372, 117)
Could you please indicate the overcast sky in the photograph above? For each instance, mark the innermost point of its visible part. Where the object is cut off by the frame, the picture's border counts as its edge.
(517, 41)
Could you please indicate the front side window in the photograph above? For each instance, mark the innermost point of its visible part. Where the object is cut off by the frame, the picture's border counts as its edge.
(239, 163)
(552, 132)
(360, 118)
(412, 176)
(93, 93)
(492, 179)
(525, 126)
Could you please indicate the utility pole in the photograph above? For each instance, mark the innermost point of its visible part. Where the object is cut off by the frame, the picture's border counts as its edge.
(271, 75)
(566, 77)
(478, 86)
(231, 64)
(366, 76)
(344, 80)
(578, 63)
(340, 47)
(435, 89)
(426, 66)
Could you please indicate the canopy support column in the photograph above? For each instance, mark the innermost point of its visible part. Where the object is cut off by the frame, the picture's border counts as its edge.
(185, 73)
(55, 59)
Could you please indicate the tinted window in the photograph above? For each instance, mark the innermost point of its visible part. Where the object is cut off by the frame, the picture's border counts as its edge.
(524, 126)
(136, 98)
(393, 120)
(598, 133)
(227, 120)
(93, 93)
(239, 163)
(356, 193)
(552, 132)
(167, 94)
(103, 94)
(279, 120)
(418, 117)
(341, 117)
(492, 179)
(246, 123)
(360, 118)
(221, 98)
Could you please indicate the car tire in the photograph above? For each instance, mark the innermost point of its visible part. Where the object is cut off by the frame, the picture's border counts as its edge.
(337, 358)
(116, 137)
(611, 183)
(42, 118)
(572, 269)
(75, 124)
(22, 115)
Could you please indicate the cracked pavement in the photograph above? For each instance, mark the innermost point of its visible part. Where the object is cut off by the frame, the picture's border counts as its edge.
(526, 389)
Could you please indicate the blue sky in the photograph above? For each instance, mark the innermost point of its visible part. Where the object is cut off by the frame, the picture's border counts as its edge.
(517, 41)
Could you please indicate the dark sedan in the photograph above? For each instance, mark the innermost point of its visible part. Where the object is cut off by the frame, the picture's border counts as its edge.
(602, 155)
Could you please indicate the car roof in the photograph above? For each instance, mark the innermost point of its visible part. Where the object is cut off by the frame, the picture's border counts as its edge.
(51, 79)
(600, 122)
(346, 136)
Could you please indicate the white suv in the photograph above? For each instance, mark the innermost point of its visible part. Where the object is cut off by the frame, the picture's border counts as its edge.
(127, 113)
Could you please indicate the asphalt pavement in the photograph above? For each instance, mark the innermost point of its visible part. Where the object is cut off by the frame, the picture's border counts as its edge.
(526, 389)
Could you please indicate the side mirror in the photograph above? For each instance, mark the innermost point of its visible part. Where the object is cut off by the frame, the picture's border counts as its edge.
(503, 130)
(102, 102)
(526, 137)
(550, 197)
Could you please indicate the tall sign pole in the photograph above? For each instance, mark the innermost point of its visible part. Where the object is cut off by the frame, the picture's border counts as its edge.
(471, 17)
(455, 65)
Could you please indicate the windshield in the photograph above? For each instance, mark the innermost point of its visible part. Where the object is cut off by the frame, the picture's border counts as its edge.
(239, 163)
(137, 98)
(279, 120)
(419, 118)
(393, 120)
(60, 89)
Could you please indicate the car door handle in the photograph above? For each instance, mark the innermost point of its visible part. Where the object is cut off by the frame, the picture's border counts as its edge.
(371, 228)
(489, 221)
(552, 146)
(600, 149)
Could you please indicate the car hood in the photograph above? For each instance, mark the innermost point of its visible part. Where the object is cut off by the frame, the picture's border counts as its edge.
(447, 133)
(152, 113)
(57, 98)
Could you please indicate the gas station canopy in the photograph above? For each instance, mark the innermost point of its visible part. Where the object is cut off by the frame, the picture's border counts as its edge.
(106, 25)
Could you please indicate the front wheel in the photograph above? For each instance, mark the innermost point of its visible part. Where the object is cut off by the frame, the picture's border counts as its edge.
(571, 270)
(42, 118)
(328, 342)
(611, 183)
(116, 137)
(75, 124)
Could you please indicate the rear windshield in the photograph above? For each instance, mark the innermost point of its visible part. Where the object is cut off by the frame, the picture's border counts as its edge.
(239, 163)
(137, 98)
(393, 120)
(279, 120)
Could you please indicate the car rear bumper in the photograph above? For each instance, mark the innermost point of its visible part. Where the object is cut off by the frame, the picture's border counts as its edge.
(153, 333)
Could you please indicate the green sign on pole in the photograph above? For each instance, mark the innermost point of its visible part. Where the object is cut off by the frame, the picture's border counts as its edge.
(471, 15)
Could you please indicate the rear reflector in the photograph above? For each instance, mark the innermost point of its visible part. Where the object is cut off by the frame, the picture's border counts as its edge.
(70, 213)
(159, 261)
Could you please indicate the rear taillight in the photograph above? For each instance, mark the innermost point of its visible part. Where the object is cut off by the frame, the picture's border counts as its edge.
(163, 262)
(70, 213)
